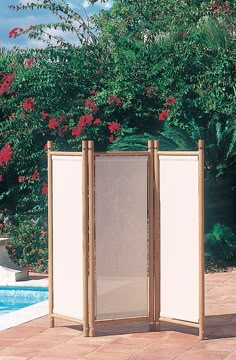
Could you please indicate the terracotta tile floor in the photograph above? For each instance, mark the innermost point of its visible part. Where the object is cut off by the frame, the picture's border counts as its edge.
(35, 340)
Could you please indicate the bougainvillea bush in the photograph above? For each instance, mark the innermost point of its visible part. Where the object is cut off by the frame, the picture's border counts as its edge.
(139, 72)
(28, 246)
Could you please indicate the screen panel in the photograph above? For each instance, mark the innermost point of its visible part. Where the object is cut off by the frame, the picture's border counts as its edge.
(179, 230)
(67, 236)
(121, 236)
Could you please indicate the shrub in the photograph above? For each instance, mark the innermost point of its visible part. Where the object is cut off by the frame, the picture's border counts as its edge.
(28, 245)
(220, 245)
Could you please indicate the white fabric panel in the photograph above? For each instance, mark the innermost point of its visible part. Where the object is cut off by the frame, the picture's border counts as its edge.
(67, 236)
(179, 237)
(121, 236)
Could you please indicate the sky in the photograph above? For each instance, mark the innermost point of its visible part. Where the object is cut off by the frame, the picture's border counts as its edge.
(10, 19)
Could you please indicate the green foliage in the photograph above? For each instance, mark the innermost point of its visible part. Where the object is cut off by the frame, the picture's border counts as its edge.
(28, 245)
(68, 21)
(220, 244)
(153, 69)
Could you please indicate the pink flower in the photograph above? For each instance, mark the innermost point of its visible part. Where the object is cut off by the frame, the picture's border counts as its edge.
(44, 114)
(30, 62)
(20, 179)
(113, 99)
(90, 104)
(77, 131)
(53, 124)
(1, 177)
(35, 175)
(149, 90)
(170, 101)
(6, 154)
(164, 114)
(7, 82)
(93, 92)
(14, 32)
(29, 104)
(45, 188)
(113, 127)
(111, 139)
(97, 121)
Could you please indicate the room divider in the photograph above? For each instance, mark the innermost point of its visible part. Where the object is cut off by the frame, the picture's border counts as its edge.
(126, 236)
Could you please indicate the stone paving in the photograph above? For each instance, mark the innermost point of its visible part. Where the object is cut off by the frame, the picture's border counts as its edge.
(35, 340)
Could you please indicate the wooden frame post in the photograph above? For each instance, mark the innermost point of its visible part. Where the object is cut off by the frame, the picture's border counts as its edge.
(50, 234)
(157, 235)
(151, 235)
(201, 240)
(91, 240)
(85, 235)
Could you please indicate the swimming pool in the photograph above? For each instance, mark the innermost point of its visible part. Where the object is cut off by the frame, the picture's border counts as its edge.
(14, 298)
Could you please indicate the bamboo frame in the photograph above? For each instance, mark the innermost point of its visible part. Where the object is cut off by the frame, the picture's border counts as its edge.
(85, 234)
(151, 235)
(50, 235)
(65, 153)
(179, 322)
(88, 223)
(122, 320)
(179, 153)
(201, 239)
(120, 153)
(157, 235)
(67, 318)
(91, 240)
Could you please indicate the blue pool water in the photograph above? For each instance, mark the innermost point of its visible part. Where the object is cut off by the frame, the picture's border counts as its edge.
(17, 297)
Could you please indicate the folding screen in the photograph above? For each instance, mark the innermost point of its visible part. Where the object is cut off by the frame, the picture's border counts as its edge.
(66, 256)
(180, 286)
(126, 236)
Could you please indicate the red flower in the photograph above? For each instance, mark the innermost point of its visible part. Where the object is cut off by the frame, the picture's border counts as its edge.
(111, 139)
(77, 131)
(35, 175)
(20, 179)
(53, 124)
(43, 233)
(14, 32)
(97, 121)
(62, 130)
(29, 104)
(44, 114)
(90, 104)
(113, 127)
(170, 101)
(61, 118)
(164, 114)
(88, 119)
(6, 154)
(45, 188)
(93, 92)
(113, 99)
(7, 82)
(97, 72)
(30, 62)
(149, 90)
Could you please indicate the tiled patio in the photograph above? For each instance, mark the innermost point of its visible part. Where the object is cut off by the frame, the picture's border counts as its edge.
(35, 340)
